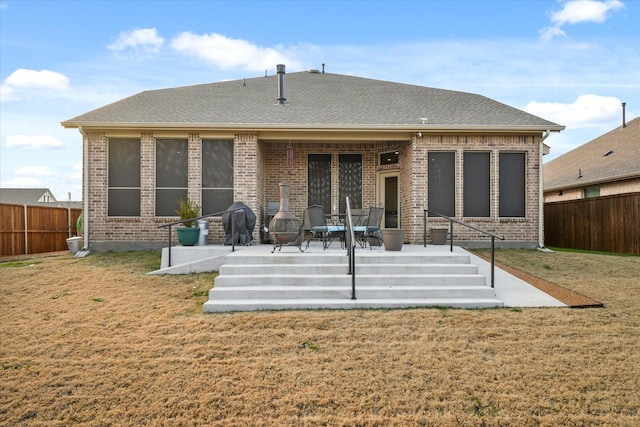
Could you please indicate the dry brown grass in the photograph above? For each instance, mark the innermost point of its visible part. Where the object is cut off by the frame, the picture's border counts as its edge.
(95, 341)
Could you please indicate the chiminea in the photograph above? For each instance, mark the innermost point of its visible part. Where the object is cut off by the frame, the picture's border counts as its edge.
(285, 227)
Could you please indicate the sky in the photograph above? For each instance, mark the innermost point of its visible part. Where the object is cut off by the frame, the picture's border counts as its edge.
(571, 62)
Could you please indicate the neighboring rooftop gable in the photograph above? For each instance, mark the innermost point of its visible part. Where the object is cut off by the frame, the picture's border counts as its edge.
(313, 100)
(591, 161)
(26, 196)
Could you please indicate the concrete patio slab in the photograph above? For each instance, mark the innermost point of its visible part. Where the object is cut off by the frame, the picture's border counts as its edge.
(513, 291)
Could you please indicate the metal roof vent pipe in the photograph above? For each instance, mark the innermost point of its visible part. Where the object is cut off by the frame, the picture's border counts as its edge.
(624, 120)
(281, 73)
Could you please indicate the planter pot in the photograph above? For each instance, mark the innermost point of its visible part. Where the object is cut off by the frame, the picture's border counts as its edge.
(393, 238)
(439, 235)
(74, 244)
(188, 236)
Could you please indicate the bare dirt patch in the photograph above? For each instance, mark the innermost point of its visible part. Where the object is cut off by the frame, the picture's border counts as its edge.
(95, 341)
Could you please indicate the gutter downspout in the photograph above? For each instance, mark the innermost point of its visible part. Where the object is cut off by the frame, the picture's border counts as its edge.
(545, 135)
(85, 189)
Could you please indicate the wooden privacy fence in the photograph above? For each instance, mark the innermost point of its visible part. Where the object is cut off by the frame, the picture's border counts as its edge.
(35, 229)
(608, 223)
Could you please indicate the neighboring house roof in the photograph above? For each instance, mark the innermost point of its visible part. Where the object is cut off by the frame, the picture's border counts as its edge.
(613, 156)
(26, 196)
(314, 100)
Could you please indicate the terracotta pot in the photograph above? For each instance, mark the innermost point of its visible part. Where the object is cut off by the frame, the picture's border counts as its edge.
(439, 235)
(393, 238)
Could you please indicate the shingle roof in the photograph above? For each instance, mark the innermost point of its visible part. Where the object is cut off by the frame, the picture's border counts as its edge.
(23, 196)
(590, 161)
(313, 100)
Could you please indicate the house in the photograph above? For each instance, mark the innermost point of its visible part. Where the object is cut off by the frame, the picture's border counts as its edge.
(35, 197)
(26, 196)
(607, 165)
(407, 147)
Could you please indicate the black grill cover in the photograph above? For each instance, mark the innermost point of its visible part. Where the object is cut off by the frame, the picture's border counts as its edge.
(244, 222)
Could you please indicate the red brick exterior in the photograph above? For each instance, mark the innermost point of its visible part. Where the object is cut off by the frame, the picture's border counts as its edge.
(260, 165)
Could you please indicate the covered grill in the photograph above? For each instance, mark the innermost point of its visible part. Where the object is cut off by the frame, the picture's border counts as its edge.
(244, 221)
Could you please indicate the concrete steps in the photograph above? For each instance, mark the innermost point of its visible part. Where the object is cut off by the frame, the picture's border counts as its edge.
(320, 281)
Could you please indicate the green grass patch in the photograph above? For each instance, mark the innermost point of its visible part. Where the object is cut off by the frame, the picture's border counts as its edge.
(308, 345)
(61, 294)
(10, 264)
(585, 251)
(137, 261)
(12, 366)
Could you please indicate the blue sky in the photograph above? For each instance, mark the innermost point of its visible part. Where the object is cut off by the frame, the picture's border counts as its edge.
(572, 62)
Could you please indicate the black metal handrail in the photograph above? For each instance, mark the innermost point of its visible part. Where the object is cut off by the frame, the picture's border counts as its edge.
(350, 243)
(233, 228)
(451, 221)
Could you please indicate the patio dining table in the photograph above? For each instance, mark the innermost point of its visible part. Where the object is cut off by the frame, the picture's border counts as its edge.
(337, 228)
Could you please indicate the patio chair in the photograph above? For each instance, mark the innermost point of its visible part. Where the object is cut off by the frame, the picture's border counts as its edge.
(317, 224)
(319, 228)
(370, 231)
(359, 217)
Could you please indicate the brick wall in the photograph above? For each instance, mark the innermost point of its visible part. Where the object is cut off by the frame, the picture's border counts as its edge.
(513, 229)
(259, 166)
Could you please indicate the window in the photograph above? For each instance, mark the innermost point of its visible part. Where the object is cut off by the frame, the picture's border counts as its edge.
(477, 184)
(123, 188)
(389, 158)
(512, 185)
(319, 181)
(217, 175)
(350, 179)
(441, 188)
(592, 192)
(172, 170)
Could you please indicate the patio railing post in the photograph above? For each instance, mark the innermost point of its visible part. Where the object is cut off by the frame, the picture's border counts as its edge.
(493, 262)
(424, 228)
(233, 231)
(450, 235)
(169, 246)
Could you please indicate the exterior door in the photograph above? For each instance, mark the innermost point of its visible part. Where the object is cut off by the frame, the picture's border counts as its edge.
(389, 196)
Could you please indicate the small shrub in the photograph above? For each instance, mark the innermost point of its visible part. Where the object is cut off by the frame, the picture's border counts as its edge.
(188, 209)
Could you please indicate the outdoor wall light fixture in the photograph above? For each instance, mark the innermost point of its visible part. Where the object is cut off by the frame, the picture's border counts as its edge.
(419, 134)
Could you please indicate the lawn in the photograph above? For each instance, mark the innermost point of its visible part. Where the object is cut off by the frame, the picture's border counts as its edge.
(95, 341)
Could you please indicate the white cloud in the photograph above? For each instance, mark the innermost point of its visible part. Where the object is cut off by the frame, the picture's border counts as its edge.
(22, 182)
(145, 40)
(587, 111)
(32, 80)
(33, 142)
(584, 11)
(35, 171)
(548, 33)
(228, 53)
(576, 11)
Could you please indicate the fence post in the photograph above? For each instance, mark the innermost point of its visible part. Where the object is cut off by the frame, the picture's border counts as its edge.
(26, 232)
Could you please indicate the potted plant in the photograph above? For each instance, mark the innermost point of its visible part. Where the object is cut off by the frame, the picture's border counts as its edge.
(188, 210)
